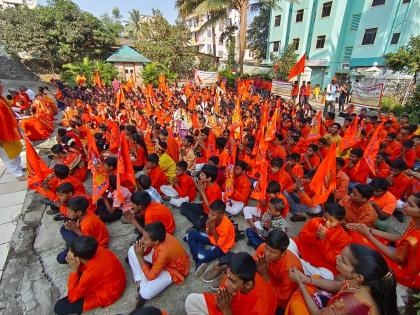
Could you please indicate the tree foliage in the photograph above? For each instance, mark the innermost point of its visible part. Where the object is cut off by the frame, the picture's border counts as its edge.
(258, 33)
(153, 70)
(113, 22)
(406, 59)
(59, 32)
(229, 35)
(285, 61)
(88, 67)
(167, 44)
(133, 23)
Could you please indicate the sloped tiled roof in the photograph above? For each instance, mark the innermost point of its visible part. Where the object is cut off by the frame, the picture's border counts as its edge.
(127, 54)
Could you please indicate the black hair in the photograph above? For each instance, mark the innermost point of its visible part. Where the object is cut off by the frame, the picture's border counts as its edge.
(163, 145)
(61, 132)
(153, 158)
(314, 147)
(210, 171)
(398, 164)
(392, 135)
(294, 157)
(357, 152)
(340, 161)
(145, 181)
(57, 149)
(156, 230)
(138, 139)
(277, 239)
(111, 161)
(273, 187)
(408, 143)
(78, 203)
(365, 190)
(84, 246)
(61, 171)
(277, 162)
(243, 265)
(218, 206)
(278, 204)
(379, 183)
(65, 188)
(242, 164)
(214, 159)
(141, 198)
(335, 210)
(189, 138)
(182, 165)
(205, 130)
(377, 277)
(221, 143)
(337, 125)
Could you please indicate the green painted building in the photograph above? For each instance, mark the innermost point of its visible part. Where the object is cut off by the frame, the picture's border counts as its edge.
(341, 37)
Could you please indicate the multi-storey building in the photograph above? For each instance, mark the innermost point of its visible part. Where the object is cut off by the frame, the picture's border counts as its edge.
(15, 3)
(203, 39)
(339, 36)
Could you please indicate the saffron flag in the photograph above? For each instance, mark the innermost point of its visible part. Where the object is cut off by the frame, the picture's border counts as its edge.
(131, 83)
(324, 180)
(211, 147)
(315, 132)
(37, 171)
(120, 97)
(230, 176)
(351, 136)
(259, 193)
(100, 180)
(114, 142)
(272, 127)
(298, 68)
(124, 166)
(372, 148)
(237, 120)
(97, 80)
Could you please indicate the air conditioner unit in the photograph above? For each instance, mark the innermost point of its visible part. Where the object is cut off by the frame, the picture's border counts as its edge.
(345, 66)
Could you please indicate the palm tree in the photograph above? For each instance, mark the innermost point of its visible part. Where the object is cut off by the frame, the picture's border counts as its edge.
(134, 19)
(224, 6)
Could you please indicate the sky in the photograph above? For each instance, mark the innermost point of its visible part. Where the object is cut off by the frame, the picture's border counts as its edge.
(99, 7)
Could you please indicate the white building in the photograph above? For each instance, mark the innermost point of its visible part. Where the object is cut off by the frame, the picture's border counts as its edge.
(15, 3)
(203, 39)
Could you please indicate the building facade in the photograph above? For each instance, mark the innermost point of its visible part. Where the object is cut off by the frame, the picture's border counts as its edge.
(202, 39)
(342, 37)
(15, 3)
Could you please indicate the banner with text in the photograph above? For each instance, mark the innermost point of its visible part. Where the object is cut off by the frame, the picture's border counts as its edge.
(205, 77)
(282, 88)
(369, 96)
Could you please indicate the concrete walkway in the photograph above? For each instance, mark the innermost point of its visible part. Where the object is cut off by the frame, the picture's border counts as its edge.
(12, 196)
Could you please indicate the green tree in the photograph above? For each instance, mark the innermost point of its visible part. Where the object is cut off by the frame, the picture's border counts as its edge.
(134, 18)
(59, 32)
(88, 67)
(258, 33)
(153, 70)
(229, 35)
(406, 59)
(167, 44)
(285, 61)
(113, 22)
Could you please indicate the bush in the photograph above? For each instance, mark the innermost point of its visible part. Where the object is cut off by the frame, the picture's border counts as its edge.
(153, 70)
(390, 104)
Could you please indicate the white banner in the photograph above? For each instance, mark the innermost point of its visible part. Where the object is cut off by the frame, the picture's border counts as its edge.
(205, 77)
(369, 96)
(282, 88)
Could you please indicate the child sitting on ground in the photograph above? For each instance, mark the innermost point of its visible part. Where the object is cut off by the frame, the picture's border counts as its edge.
(145, 183)
(182, 189)
(272, 219)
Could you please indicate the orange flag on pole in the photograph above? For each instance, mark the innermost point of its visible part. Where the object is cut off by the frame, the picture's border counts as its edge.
(351, 136)
(315, 132)
(372, 148)
(298, 68)
(99, 176)
(37, 171)
(211, 147)
(124, 165)
(272, 127)
(97, 80)
(114, 142)
(324, 180)
(120, 97)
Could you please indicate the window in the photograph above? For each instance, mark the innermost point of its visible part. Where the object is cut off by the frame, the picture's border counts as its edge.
(209, 33)
(377, 2)
(326, 9)
(296, 43)
(276, 46)
(406, 1)
(277, 20)
(347, 53)
(355, 21)
(320, 41)
(369, 37)
(299, 16)
(395, 38)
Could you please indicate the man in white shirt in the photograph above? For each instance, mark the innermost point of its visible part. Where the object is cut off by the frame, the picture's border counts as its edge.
(330, 97)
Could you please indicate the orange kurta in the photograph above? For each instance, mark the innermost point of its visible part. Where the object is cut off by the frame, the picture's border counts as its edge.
(363, 214)
(91, 225)
(158, 212)
(241, 189)
(186, 187)
(100, 282)
(226, 232)
(158, 177)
